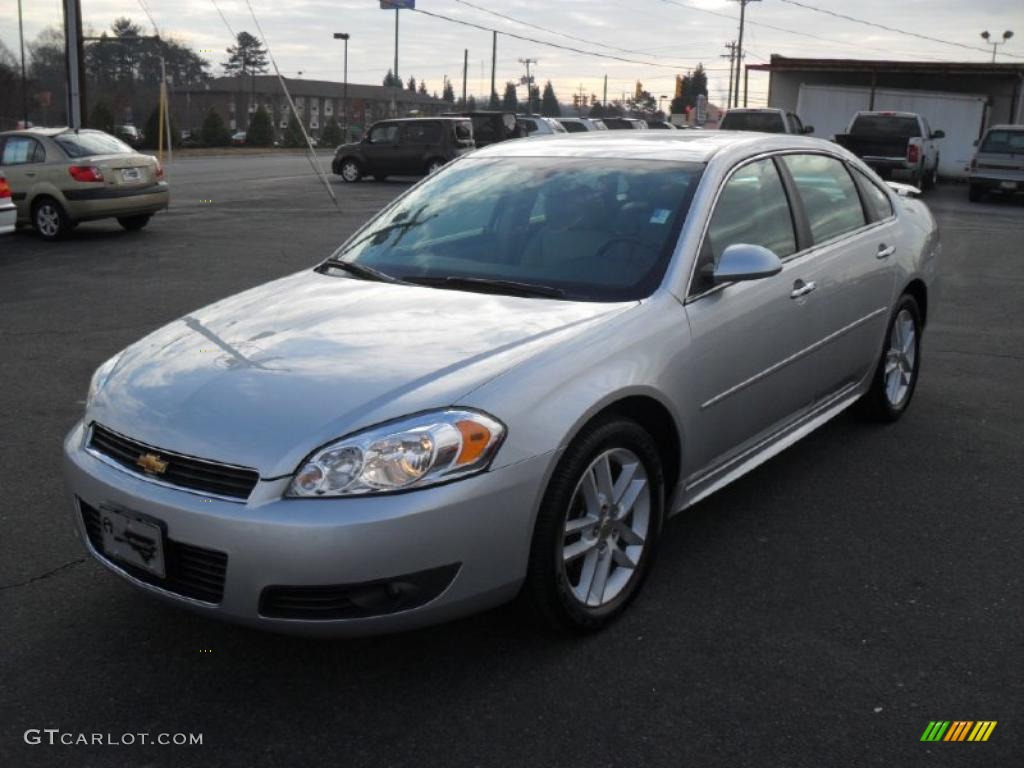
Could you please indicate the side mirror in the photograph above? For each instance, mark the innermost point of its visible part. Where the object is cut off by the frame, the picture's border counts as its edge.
(938, 134)
(808, 129)
(745, 262)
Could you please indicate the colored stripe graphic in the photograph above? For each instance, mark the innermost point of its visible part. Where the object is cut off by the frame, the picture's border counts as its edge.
(959, 730)
(935, 730)
(982, 730)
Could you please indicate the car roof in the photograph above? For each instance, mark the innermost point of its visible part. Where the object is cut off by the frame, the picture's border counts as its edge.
(38, 131)
(419, 119)
(755, 109)
(679, 146)
(1007, 127)
(886, 113)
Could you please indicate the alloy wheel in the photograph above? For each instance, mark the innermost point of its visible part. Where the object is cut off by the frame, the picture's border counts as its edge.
(606, 528)
(900, 358)
(350, 171)
(47, 220)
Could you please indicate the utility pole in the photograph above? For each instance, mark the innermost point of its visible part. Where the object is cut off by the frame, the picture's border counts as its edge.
(731, 56)
(344, 88)
(75, 62)
(397, 82)
(739, 45)
(494, 66)
(606, 90)
(465, 69)
(581, 102)
(529, 84)
(24, 82)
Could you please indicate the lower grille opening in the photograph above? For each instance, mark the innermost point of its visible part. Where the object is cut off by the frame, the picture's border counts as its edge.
(357, 601)
(191, 571)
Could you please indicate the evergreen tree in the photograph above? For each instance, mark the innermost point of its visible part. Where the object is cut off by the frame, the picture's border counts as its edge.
(292, 136)
(261, 129)
(214, 133)
(549, 102)
(151, 131)
(411, 85)
(495, 102)
(246, 57)
(449, 92)
(510, 100)
(102, 119)
(423, 88)
(389, 79)
(332, 136)
(471, 104)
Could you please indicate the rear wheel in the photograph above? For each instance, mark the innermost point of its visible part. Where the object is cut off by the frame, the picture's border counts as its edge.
(598, 526)
(896, 374)
(50, 219)
(350, 171)
(132, 223)
(932, 179)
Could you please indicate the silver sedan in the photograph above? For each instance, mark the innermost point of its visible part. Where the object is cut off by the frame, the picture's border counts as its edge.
(505, 382)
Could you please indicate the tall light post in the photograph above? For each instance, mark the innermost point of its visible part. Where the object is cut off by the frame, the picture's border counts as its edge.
(344, 88)
(996, 43)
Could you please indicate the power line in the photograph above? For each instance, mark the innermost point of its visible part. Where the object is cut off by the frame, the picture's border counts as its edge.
(149, 16)
(225, 20)
(891, 29)
(548, 43)
(887, 51)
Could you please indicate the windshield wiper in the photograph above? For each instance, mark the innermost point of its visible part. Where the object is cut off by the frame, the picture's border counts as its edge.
(490, 285)
(361, 271)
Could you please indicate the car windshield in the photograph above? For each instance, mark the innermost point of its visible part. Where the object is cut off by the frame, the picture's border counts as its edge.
(768, 122)
(589, 229)
(1004, 142)
(85, 143)
(894, 126)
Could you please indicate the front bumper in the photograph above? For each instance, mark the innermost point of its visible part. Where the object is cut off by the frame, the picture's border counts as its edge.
(995, 181)
(474, 533)
(8, 218)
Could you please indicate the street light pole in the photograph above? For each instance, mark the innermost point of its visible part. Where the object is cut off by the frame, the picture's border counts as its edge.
(24, 82)
(397, 82)
(344, 92)
(988, 39)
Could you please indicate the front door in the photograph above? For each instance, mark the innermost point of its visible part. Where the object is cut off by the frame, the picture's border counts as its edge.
(752, 362)
(380, 150)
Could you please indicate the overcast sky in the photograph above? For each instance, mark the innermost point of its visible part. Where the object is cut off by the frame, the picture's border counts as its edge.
(669, 35)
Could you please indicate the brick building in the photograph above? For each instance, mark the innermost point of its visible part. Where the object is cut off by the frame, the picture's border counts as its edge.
(317, 101)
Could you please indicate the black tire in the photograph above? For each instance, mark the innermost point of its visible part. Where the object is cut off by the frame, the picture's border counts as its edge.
(931, 180)
(50, 220)
(132, 223)
(547, 588)
(975, 192)
(350, 170)
(876, 404)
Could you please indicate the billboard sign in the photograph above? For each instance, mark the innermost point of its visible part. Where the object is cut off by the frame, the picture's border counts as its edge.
(394, 5)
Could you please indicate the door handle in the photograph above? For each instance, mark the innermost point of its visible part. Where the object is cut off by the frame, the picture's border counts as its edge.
(885, 251)
(800, 288)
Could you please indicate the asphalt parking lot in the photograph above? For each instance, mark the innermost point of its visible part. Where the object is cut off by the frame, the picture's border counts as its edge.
(819, 612)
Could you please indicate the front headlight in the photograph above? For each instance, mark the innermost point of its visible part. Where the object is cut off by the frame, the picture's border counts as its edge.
(412, 453)
(99, 378)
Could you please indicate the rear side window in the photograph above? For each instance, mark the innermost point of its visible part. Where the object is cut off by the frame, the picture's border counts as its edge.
(529, 126)
(422, 133)
(572, 127)
(828, 193)
(877, 202)
(464, 132)
(19, 150)
(752, 209)
(85, 143)
(1004, 142)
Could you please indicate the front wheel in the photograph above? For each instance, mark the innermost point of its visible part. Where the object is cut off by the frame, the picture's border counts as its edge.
(598, 526)
(897, 370)
(132, 223)
(350, 171)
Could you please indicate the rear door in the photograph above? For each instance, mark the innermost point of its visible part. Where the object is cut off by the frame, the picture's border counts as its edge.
(419, 141)
(753, 362)
(853, 244)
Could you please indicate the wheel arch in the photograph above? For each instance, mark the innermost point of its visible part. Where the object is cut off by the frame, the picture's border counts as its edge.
(919, 291)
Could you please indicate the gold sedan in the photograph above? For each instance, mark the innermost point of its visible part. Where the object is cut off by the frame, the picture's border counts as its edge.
(60, 177)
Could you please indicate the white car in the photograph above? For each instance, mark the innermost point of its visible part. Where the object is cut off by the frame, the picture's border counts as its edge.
(536, 125)
(581, 124)
(8, 213)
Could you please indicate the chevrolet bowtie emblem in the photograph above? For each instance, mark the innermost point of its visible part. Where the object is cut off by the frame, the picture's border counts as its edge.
(152, 464)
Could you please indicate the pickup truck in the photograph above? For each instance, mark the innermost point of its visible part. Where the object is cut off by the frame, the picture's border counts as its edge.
(763, 120)
(895, 143)
(997, 166)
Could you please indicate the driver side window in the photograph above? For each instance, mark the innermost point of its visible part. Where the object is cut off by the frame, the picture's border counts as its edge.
(752, 209)
(384, 134)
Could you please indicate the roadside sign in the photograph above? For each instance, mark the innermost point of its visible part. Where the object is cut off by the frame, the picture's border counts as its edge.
(702, 109)
(394, 5)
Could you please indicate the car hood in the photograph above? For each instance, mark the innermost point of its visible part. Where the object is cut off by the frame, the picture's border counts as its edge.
(262, 378)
